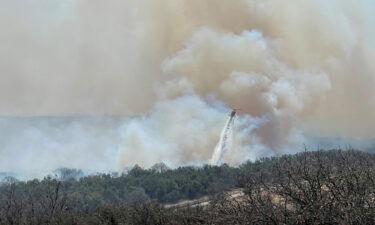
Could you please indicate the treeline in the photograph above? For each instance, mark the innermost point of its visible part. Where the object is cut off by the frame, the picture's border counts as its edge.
(322, 187)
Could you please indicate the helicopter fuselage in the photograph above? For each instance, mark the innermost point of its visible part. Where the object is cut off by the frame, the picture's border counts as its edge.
(233, 113)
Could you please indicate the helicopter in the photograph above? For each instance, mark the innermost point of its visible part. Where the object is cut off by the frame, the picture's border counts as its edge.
(234, 112)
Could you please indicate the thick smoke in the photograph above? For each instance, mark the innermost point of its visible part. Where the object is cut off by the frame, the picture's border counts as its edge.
(172, 69)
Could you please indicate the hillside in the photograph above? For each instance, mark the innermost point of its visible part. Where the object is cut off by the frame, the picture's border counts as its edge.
(322, 187)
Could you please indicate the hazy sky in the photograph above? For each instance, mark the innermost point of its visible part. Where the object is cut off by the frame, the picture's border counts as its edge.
(173, 68)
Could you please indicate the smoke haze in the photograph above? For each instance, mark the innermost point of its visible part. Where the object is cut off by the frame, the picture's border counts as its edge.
(102, 85)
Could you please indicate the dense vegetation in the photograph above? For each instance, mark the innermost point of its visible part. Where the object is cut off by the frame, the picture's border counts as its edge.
(323, 187)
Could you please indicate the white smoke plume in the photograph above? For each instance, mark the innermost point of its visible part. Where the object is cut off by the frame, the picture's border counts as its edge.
(166, 73)
(225, 142)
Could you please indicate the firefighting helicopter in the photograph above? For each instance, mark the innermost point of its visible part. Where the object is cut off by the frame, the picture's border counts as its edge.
(234, 112)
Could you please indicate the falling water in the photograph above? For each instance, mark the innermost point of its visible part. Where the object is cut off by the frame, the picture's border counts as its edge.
(224, 143)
